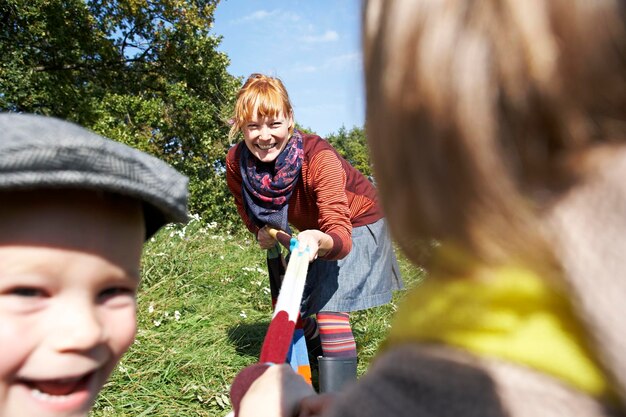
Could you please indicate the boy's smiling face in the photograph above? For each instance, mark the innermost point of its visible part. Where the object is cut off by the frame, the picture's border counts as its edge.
(69, 264)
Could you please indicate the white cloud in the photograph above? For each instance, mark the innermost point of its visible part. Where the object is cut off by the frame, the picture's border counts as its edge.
(328, 36)
(259, 15)
(306, 68)
(350, 59)
(265, 15)
(339, 62)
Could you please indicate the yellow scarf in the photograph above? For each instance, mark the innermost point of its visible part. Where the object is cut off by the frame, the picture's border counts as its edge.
(508, 313)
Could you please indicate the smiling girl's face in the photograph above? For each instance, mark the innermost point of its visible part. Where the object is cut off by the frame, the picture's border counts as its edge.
(69, 271)
(267, 136)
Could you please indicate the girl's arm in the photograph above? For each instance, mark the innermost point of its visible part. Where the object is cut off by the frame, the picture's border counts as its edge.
(328, 180)
(234, 182)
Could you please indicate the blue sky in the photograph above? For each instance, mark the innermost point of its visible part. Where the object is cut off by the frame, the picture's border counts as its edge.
(313, 46)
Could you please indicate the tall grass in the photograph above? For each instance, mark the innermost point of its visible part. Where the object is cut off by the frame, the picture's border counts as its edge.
(203, 309)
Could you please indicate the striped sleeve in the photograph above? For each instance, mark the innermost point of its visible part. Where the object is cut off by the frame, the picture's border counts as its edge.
(234, 181)
(329, 185)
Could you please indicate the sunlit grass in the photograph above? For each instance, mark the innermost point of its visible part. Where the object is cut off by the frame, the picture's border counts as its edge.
(203, 309)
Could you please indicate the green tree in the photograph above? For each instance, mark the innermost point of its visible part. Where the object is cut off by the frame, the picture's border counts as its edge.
(145, 73)
(352, 145)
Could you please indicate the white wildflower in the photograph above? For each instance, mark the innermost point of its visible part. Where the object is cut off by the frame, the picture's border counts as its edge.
(176, 315)
(157, 323)
(243, 314)
(151, 308)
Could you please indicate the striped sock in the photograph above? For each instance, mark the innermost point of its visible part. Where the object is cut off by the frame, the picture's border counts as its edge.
(336, 334)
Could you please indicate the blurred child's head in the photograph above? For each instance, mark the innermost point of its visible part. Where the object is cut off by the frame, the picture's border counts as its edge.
(261, 96)
(75, 210)
(476, 111)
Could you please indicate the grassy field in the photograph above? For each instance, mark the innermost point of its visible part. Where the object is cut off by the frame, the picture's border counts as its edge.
(203, 309)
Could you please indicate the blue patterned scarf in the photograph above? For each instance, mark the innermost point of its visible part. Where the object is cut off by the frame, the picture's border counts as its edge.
(267, 187)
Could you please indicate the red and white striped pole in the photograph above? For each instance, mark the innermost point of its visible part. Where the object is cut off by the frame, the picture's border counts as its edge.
(279, 335)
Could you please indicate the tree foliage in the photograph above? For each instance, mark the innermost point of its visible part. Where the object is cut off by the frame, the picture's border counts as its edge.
(352, 145)
(145, 73)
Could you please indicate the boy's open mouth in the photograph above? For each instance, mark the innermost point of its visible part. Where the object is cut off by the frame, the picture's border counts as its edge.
(58, 387)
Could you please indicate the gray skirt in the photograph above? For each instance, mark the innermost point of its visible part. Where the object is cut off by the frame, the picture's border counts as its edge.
(365, 278)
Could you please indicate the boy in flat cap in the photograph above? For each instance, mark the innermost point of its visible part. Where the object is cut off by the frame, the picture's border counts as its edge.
(75, 209)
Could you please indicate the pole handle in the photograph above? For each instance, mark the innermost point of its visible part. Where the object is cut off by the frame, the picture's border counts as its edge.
(280, 236)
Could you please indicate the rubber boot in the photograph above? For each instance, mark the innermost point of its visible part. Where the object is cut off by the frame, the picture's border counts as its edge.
(335, 373)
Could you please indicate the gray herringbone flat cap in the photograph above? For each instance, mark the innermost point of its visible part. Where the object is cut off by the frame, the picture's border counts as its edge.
(44, 152)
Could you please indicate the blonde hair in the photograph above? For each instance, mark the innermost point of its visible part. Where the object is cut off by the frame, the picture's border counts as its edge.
(263, 96)
(475, 107)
